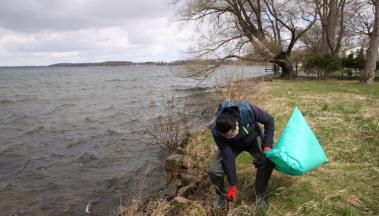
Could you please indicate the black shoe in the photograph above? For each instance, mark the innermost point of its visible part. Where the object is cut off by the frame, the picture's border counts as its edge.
(260, 200)
(219, 201)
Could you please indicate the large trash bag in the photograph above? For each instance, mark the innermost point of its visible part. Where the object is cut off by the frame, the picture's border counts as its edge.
(297, 150)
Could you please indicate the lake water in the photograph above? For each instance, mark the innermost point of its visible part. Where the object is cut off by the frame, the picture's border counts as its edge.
(72, 135)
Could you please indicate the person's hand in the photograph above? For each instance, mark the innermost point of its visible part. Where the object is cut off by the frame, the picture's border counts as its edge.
(266, 148)
(232, 194)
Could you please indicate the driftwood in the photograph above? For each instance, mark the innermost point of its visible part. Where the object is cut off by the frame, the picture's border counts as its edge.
(179, 183)
(180, 199)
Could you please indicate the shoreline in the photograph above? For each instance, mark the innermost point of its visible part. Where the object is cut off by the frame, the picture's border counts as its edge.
(180, 177)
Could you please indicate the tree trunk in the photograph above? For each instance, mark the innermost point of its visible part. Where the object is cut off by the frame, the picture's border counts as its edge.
(368, 74)
(331, 26)
(324, 26)
(324, 42)
(287, 70)
(282, 59)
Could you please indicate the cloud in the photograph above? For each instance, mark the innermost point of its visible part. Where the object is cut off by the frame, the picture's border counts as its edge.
(145, 40)
(45, 42)
(40, 32)
(59, 15)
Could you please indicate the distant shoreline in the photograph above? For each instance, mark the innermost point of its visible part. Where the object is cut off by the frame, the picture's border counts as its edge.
(130, 63)
(107, 63)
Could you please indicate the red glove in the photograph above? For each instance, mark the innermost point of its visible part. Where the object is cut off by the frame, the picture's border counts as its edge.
(232, 193)
(266, 148)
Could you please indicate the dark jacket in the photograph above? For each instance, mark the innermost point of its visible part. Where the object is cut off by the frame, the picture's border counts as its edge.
(243, 141)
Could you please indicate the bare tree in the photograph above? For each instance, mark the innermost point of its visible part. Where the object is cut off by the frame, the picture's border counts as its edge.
(333, 15)
(362, 21)
(252, 29)
(312, 39)
(368, 74)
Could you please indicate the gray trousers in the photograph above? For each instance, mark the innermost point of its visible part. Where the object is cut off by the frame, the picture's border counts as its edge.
(263, 165)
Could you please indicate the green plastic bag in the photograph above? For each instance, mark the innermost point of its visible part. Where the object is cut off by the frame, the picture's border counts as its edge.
(297, 150)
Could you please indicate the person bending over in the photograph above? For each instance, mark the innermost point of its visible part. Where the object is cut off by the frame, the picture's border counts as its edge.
(235, 130)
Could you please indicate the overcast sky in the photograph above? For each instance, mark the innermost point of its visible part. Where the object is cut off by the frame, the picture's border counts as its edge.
(42, 32)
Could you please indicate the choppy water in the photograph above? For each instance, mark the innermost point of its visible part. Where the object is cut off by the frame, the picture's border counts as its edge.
(72, 135)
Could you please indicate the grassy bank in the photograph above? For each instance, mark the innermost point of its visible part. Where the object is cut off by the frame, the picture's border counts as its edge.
(344, 116)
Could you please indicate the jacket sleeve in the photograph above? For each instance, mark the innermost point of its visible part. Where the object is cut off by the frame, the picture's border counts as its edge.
(227, 159)
(269, 125)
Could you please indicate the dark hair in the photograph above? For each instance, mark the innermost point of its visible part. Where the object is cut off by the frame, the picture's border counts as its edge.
(226, 121)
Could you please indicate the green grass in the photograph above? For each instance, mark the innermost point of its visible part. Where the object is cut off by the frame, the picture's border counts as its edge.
(345, 117)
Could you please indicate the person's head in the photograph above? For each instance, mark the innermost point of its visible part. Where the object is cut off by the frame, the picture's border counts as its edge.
(227, 124)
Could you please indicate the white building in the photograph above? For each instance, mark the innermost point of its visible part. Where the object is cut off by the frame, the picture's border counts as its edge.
(354, 50)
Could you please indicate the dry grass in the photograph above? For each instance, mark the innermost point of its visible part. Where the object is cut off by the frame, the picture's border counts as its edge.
(154, 208)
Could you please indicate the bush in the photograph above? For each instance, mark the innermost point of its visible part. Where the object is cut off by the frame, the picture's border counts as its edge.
(323, 64)
(326, 64)
(360, 60)
(349, 61)
(352, 62)
(170, 129)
